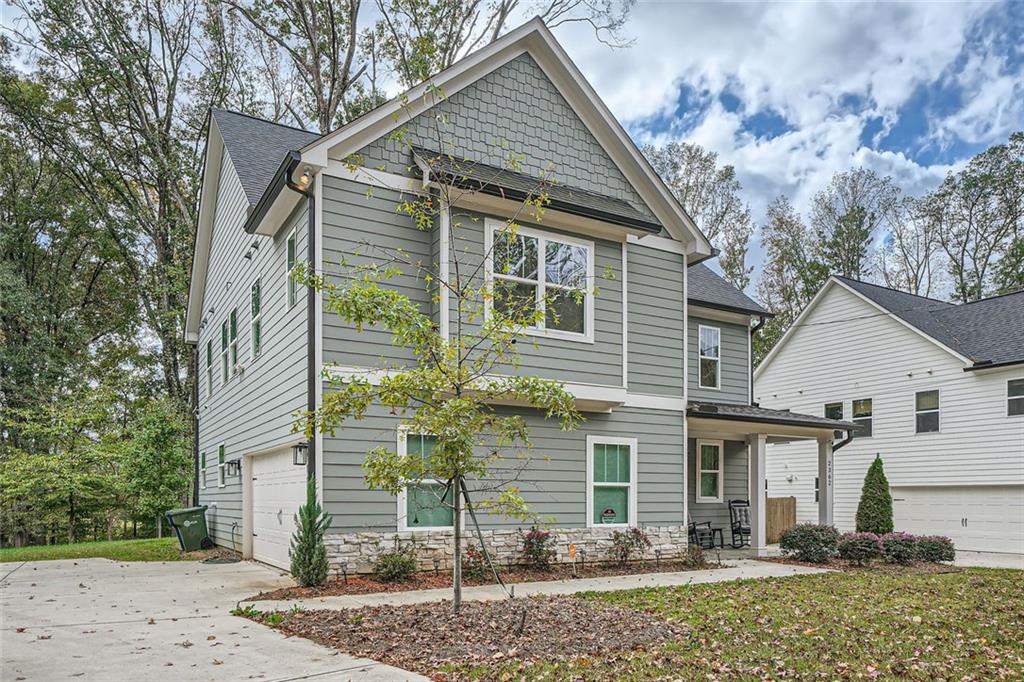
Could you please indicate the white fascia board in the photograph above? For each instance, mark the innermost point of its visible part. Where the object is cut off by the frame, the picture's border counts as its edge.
(212, 161)
(697, 310)
(277, 215)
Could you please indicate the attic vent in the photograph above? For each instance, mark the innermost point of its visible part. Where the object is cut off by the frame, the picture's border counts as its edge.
(713, 409)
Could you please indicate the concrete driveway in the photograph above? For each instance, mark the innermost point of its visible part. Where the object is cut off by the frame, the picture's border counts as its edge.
(94, 619)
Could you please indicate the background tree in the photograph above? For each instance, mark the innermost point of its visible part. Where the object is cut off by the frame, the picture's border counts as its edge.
(711, 196)
(874, 511)
(908, 255)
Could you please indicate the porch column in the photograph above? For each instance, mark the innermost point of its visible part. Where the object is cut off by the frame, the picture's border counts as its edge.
(756, 444)
(825, 495)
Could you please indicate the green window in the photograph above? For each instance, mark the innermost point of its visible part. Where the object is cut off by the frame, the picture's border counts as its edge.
(209, 368)
(612, 484)
(255, 326)
(710, 470)
(224, 375)
(220, 466)
(292, 287)
(424, 506)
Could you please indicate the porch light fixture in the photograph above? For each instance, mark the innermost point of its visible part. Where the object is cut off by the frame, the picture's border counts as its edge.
(300, 452)
(233, 467)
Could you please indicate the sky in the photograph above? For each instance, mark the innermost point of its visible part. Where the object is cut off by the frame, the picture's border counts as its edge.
(789, 93)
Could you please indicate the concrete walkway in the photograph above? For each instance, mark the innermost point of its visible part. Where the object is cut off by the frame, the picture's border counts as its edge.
(736, 570)
(989, 559)
(94, 619)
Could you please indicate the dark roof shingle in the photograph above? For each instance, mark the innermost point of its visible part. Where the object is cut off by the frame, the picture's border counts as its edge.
(257, 148)
(754, 413)
(707, 286)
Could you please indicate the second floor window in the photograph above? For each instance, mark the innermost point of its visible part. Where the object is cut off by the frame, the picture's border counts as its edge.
(209, 368)
(543, 281)
(926, 411)
(255, 326)
(224, 373)
(710, 356)
(863, 417)
(1014, 397)
(233, 338)
(834, 411)
(292, 262)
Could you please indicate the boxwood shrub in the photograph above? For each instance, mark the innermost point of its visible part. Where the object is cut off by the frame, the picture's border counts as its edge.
(935, 548)
(810, 542)
(899, 548)
(862, 548)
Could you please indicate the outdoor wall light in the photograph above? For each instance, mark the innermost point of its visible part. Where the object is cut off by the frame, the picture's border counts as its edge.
(233, 467)
(300, 451)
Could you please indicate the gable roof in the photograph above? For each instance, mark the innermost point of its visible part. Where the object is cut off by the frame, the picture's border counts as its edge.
(256, 148)
(989, 331)
(705, 286)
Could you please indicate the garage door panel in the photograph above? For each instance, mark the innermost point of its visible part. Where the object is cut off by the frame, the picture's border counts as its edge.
(278, 489)
(978, 518)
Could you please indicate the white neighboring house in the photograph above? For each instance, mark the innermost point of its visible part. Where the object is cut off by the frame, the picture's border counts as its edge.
(941, 388)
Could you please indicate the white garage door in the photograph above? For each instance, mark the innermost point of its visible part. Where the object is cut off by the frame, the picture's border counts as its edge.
(980, 518)
(278, 490)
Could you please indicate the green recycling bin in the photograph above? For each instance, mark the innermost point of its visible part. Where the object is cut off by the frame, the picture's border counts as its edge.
(190, 526)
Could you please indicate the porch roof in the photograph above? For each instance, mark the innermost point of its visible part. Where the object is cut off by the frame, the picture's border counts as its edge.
(701, 409)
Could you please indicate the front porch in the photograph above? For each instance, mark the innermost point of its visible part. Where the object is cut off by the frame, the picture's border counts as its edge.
(726, 449)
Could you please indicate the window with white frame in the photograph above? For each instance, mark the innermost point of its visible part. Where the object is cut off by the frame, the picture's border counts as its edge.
(1014, 397)
(202, 470)
(542, 281)
(233, 339)
(421, 505)
(611, 481)
(255, 323)
(224, 369)
(209, 368)
(863, 416)
(834, 411)
(926, 411)
(220, 466)
(709, 356)
(710, 470)
(293, 286)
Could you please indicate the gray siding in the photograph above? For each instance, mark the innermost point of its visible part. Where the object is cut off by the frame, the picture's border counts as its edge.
(246, 414)
(735, 488)
(654, 286)
(735, 378)
(554, 485)
(512, 111)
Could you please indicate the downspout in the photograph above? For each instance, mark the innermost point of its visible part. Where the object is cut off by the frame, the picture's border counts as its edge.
(195, 424)
(843, 442)
(306, 191)
(753, 330)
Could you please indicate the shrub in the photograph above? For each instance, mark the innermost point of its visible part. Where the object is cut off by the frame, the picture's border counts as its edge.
(859, 547)
(538, 548)
(693, 557)
(810, 542)
(395, 566)
(899, 548)
(874, 511)
(935, 548)
(474, 566)
(630, 544)
(309, 554)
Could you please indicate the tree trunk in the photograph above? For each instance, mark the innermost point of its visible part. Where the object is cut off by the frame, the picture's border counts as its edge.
(457, 560)
(159, 526)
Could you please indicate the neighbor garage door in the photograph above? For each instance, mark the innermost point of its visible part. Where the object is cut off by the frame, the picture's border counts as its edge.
(278, 489)
(981, 518)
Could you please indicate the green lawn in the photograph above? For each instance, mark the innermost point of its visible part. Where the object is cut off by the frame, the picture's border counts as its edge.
(164, 549)
(962, 626)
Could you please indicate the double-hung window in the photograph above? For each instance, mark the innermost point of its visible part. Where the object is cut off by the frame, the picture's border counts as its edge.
(233, 339)
(256, 325)
(225, 374)
(1014, 397)
(293, 287)
(542, 281)
(220, 466)
(926, 411)
(611, 484)
(863, 417)
(209, 368)
(421, 505)
(709, 356)
(202, 470)
(710, 470)
(834, 411)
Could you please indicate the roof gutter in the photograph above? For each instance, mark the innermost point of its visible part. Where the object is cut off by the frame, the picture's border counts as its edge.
(282, 178)
(988, 364)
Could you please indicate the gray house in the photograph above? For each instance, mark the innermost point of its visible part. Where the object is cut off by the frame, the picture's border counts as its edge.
(659, 362)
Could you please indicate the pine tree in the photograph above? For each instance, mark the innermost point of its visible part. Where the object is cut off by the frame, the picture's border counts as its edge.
(309, 554)
(874, 512)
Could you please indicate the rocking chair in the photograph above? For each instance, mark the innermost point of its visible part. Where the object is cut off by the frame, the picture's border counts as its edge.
(739, 517)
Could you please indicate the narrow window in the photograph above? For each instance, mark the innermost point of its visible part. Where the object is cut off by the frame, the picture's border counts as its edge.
(862, 416)
(224, 375)
(209, 368)
(709, 349)
(1014, 397)
(424, 505)
(234, 339)
(710, 470)
(834, 411)
(255, 325)
(202, 470)
(926, 407)
(292, 262)
(817, 492)
(612, 474)
(220, 466)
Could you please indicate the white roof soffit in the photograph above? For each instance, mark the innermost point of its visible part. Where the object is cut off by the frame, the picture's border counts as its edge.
(534, 38)
(204, 231)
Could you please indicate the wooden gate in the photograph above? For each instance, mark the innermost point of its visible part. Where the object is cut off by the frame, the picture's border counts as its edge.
(781, 517)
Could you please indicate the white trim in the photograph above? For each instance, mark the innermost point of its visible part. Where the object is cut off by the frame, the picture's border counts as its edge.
(221, 465)
(658, 243)
(209, 368)
(937, 411)
(214, 158)
(701, 356)
(1008, 398)
(703, 312)
(632, 486)
(698, 470)
(225, 352)
(373, 177)
(444, 266)
(232, 342)
(291, 296)
(541, 285)
(625, 321)
(202, 470)
(401, 445)
(318, 324)
(648, 401)
(254, 319)
(685, 445)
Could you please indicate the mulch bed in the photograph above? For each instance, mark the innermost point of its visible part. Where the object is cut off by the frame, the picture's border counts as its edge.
(428, 580)
(554, 629)
(918, 568)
